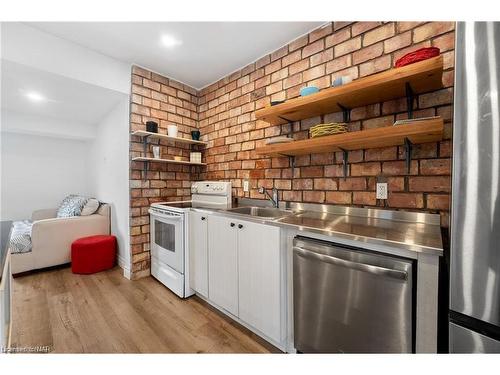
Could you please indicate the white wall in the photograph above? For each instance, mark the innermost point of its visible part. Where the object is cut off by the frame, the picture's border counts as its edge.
(22, 123)
(28, 46)
(109, 174)
(38, 172)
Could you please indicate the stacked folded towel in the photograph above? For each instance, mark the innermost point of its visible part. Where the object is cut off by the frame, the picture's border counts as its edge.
(328, 129)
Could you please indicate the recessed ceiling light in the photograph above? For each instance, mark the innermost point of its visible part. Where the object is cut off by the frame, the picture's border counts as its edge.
(35, 96)
(169, 41)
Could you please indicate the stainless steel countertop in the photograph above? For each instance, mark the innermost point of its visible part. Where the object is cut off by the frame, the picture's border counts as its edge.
(405, 230)
(412, 236)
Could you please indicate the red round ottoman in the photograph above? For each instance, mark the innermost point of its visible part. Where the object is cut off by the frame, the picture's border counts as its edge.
(93, 254)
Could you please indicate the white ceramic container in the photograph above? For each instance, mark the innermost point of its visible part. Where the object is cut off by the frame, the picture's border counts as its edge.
(172, 130)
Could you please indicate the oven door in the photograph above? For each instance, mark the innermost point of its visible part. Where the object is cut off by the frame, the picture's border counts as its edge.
(167, 238)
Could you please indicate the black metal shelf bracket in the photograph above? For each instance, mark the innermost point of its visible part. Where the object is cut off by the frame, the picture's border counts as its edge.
(408, 149)
(410, 97)
(145, 154)
(291, 159)
(285, 119)
(292, 164)
(145, 145)
(346, 112)
(288, 122)
(145, 170)
(345, 162)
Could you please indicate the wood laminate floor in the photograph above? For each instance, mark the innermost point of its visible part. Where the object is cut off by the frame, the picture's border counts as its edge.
(107, 313)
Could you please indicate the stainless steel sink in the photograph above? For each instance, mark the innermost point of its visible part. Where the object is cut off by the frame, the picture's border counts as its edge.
(266, 213)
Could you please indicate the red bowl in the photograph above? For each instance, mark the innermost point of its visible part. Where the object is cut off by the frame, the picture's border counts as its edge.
(418, 55)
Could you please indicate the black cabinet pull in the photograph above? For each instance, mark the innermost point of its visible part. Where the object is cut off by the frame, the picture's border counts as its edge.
(240, 226)
(203, 218)
(232, 224)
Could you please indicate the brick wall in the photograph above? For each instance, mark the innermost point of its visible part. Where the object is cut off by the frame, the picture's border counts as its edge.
(226, 117)
(165, 101)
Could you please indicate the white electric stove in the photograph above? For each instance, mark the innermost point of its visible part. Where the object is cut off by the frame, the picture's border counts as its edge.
(169, 233)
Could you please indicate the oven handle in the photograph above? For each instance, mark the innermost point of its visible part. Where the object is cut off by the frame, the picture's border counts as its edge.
(395, 274)
(163, 216)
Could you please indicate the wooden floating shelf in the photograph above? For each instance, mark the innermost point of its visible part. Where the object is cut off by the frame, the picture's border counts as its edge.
(418, 132)
(420, 77)
(172, 161)
(143, 133)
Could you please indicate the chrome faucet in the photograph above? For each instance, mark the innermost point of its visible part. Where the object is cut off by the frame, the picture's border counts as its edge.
(273, 198)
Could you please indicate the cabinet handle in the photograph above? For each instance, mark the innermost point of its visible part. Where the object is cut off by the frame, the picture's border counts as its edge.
(240, 226)
(232, 224)
(203, 218)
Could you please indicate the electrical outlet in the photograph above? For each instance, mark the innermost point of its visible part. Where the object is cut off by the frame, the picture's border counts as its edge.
(246, 186)
(381, 190)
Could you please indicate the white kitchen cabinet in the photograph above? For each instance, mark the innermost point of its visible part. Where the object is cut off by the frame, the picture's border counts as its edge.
(259, 277)
(223, 263)
(244, 270)
(198, 252)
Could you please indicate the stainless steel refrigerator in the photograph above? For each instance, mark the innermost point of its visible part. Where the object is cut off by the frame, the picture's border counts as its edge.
(475, 213)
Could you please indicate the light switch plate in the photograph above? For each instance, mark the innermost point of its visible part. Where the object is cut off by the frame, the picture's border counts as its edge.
(246, 185)
(381, 190)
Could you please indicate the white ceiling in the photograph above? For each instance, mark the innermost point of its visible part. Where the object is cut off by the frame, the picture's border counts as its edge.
(209, 50)
(67, 99)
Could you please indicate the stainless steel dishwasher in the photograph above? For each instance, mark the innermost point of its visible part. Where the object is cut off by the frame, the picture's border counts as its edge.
(349, 300)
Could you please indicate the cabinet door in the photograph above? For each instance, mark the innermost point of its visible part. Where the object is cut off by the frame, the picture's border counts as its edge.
(223, 263)
(259, 277)
(198, 252)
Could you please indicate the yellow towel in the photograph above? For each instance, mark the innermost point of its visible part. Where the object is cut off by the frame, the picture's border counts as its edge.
(327, 129)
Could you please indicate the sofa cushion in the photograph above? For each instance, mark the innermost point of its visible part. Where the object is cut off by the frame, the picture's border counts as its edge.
(90, 207)
(71, 206)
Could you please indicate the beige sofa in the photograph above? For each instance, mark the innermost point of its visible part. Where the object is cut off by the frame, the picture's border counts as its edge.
(51, 237)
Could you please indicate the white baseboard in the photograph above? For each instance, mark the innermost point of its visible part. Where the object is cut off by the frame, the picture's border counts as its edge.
(125, 267)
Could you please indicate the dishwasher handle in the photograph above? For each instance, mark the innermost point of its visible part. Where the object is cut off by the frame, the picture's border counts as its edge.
(381, 271)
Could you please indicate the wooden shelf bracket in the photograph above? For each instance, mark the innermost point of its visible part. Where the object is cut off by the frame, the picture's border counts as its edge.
(408, 149)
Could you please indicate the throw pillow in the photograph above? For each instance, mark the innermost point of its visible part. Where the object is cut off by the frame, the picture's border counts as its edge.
(71, 206)
(90, 207)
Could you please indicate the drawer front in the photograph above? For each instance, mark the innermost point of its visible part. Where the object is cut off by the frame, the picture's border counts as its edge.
(168, 276)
